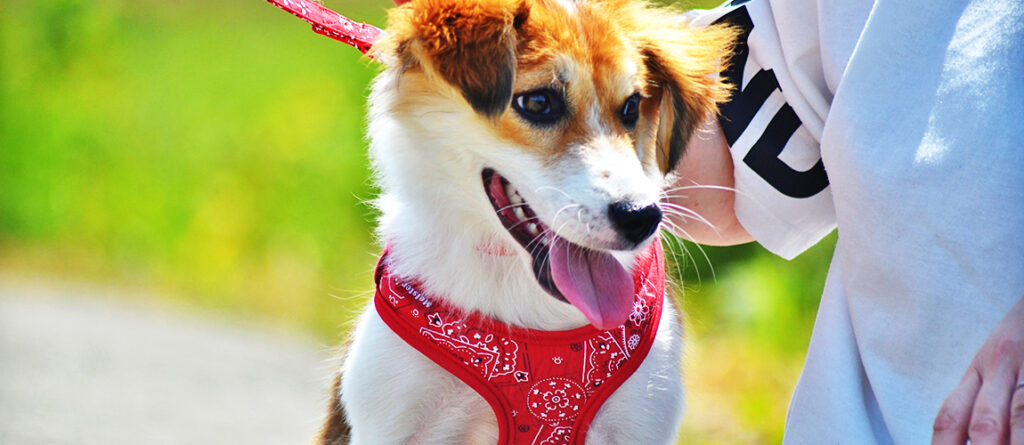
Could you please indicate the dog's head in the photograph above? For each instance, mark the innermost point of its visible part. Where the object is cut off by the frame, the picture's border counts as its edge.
(568, 113)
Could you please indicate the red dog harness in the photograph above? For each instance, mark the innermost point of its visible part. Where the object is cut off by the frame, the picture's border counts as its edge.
(545, 387)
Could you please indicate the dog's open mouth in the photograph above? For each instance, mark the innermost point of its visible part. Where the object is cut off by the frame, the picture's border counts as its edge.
(590, 279)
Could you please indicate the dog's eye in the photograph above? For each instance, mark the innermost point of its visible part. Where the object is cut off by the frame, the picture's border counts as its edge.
(542, 107)
(631, 111)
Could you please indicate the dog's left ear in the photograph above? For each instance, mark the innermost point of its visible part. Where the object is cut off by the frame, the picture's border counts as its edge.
(469, 44)
(684, 66)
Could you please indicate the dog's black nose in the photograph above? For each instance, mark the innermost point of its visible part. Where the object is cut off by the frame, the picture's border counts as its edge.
(633, 221)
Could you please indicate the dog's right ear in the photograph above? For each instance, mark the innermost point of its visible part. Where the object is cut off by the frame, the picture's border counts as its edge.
(684, 65)
(469, 44)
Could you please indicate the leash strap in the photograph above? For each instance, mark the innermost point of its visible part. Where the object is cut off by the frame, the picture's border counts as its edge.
(332, 24)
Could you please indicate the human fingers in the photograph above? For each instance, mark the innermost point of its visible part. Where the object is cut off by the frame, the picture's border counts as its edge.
(950, 426)
(990, 416)
(1017, 411)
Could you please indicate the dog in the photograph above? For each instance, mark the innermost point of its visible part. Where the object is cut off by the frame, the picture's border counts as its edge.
(521, 148)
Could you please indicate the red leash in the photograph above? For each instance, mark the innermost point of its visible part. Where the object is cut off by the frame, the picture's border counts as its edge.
(332, 24)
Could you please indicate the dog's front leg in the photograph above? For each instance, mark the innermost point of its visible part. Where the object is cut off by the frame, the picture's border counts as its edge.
(382, 390)
(648, 407)
(394, 395)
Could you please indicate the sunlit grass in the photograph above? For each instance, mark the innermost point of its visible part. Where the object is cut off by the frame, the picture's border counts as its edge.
(214, 152)
(747, 334)
(211, 147)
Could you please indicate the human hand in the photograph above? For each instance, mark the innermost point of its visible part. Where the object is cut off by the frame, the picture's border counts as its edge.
(987, 406)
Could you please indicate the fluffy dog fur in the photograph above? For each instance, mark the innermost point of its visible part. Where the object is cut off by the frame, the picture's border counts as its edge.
(441, 112)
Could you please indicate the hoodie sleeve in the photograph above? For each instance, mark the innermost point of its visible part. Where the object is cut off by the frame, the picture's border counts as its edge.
(773, 122)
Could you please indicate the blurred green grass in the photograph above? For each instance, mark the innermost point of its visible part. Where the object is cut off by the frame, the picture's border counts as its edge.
(213, 151)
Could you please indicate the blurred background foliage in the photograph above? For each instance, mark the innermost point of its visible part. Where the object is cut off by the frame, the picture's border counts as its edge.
(213, 152)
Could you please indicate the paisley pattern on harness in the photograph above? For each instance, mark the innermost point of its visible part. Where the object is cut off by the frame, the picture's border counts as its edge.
(545, 387)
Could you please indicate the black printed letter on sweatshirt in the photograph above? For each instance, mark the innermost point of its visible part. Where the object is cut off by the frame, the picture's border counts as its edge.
(736, 115)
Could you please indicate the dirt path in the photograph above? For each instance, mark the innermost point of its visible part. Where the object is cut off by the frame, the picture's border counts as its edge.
(76, 368)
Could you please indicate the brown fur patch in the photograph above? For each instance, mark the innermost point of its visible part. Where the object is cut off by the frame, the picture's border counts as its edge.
(684, 74)
(597, 54)
(336, 430)
(468, 44)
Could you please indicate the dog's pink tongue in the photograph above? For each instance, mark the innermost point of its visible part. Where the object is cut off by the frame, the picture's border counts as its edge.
(593, 281)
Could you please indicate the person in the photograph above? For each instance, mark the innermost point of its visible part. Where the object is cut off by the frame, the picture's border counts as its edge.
(899, 122)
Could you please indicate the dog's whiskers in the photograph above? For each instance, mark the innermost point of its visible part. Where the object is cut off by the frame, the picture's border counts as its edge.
(682, 255)
(579, 217)
(668, 193)
(701, 187)
(527, 220)
(555, 189)
(535, 242)
(565, 207)
(687, 213)
(510, 206)
(675, 228)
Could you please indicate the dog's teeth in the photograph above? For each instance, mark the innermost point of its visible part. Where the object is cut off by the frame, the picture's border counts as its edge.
(515, 198)
(532, 228)
(520, 213)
